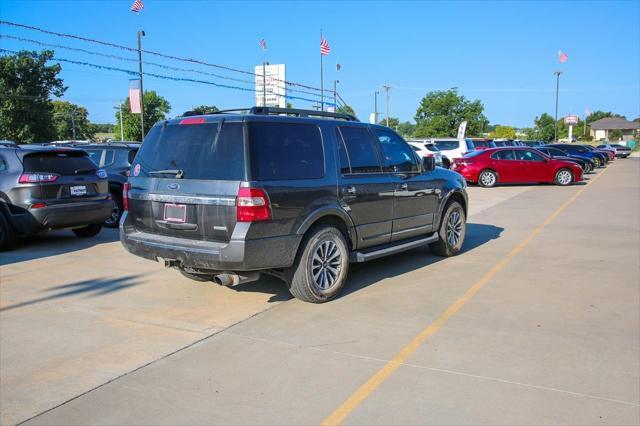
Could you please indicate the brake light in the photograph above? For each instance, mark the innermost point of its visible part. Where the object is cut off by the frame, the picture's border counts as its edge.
(38, 205)
(252, 205)
(192, 120)
(38, 177)
(125, 196)
(428, 155)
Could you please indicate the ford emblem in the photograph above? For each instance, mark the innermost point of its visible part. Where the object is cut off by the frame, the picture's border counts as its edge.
(173, 186)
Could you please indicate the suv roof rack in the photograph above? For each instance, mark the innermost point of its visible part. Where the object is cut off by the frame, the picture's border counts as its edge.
(301, 113)
(279, 111)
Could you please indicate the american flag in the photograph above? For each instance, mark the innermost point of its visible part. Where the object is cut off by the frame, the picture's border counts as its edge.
(137, 6)
(263, 44)
(134, 96)
(562, 57)
(324, 47)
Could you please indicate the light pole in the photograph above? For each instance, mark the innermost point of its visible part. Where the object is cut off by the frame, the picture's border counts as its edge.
(140, 35)
(375, 106)
(386, 89)
(555, 124)
(335, 95)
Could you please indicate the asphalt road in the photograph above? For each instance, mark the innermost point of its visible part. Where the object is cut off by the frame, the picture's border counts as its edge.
(537, 322)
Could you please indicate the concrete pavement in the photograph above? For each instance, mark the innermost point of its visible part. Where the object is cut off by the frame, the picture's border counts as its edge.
(553, 338)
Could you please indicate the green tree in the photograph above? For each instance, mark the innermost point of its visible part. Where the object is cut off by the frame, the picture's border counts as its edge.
(597, 115)
(203, 109)
(406, 129)
(346, 109)
(441, 112)
(155, 109)
(544, 127)
(504, 132)
(394, 122)
(26, 85)
(530, 133)
(67, 115)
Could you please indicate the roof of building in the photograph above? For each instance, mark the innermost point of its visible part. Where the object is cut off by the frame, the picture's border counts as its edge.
(614, 123)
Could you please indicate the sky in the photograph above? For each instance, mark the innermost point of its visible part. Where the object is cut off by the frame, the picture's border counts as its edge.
(503, 53)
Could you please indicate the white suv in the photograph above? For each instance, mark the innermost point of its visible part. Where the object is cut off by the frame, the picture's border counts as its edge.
(426, 150)
(450, 148)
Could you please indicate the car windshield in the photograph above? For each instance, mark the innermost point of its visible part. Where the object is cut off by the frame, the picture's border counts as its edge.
(447, 145)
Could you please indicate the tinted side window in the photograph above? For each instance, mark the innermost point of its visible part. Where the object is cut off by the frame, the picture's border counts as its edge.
(397, 155)
(447, 145)
(525, 155)
(505, 154)
(95, 155)
(282, 151)
(3, 165)
(361, 150)
(109, 158)
(345, 166)
(131, 155)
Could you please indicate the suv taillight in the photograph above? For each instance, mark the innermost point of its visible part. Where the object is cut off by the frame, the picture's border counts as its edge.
(125, 196)
(252, 205)
(38, 177)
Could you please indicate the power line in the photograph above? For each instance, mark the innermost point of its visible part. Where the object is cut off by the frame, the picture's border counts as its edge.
(155, 64)
(165, 77)
(130, 49)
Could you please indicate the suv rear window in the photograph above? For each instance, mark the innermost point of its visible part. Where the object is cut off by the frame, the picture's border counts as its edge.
(196, 149)
(447, 145)
(62, 163)
(285, 151)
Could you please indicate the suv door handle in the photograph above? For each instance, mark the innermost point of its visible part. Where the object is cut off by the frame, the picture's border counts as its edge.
(351, 190)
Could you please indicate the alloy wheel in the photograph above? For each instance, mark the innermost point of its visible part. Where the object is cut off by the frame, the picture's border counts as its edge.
(454, 228)
(488, 179)
(564, 177)
(326, 265)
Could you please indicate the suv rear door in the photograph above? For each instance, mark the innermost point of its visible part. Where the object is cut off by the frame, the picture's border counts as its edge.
(185, 179)
(72, 176)
(363, 190)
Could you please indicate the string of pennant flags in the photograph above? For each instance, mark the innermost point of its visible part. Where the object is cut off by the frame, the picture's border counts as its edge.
(164, 77)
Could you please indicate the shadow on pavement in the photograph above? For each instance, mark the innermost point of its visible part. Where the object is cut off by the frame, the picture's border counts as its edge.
(362, 275)
(93, 288)
(52, 244)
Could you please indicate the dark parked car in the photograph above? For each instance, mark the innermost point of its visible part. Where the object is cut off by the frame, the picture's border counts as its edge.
(610, 153)
(620, 151)
(587, 164)
(600, 158)
(115, 158)
(292, 193)
(482, 143)
(515, 165)
(45, 188)
(532, 144)
(504, 142)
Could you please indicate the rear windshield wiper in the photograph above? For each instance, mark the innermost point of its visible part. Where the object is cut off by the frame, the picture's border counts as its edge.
(178, 172)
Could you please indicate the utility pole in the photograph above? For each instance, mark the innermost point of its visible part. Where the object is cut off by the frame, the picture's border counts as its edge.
(375, 106)
(321, 78)
(335, 95)
(555, 124)
(73, 123)
(386, 89)
(140, 35)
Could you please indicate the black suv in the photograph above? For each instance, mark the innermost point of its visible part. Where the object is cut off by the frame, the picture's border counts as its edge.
(292, 193)
(44, 188)
(115, 158)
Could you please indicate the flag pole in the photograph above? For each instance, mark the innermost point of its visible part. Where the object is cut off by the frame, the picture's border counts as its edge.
(321, 77)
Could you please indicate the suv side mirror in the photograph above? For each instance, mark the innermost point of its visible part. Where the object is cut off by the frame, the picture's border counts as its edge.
(428, 164)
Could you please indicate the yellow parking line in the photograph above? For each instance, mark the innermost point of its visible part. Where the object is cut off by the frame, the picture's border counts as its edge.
(364, 391)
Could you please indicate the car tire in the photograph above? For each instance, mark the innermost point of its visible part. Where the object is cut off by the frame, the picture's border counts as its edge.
(597, 162)
(114, 220)
(7, 234)
(487, 178)
(453, 228)
(88, 231)
(321, 266)
(196, 277)
(563, 177)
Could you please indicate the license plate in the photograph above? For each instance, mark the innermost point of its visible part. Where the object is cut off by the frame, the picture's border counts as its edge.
(175, 213)
(78, 190)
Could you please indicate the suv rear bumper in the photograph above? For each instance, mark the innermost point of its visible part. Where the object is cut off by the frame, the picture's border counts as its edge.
(66, 215)
(236, 255)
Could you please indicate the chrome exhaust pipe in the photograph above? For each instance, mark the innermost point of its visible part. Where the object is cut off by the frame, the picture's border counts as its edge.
(230, 279)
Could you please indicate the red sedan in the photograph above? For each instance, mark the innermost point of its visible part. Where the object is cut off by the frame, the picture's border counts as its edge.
(515, 165)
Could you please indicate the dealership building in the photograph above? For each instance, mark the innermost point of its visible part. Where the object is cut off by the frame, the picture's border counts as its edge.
(601, 129)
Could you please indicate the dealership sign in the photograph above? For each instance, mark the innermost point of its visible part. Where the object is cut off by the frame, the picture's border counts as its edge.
(571, 119)
(273, 92)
